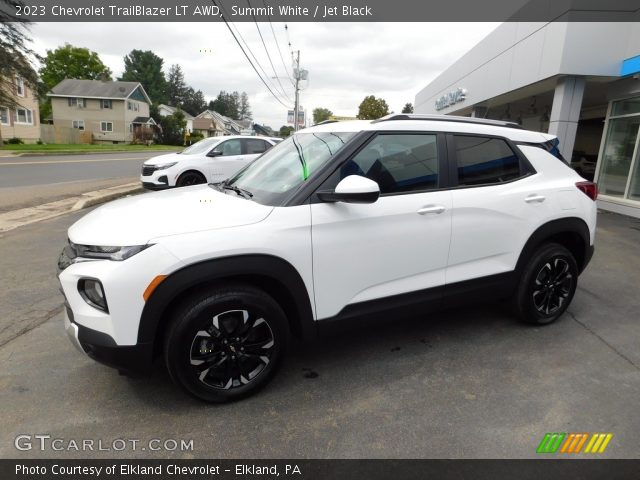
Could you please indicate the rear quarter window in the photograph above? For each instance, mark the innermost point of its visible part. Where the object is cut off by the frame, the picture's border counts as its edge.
(484, 160)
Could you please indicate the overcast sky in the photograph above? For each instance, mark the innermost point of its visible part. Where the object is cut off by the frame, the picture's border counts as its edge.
(346, 61)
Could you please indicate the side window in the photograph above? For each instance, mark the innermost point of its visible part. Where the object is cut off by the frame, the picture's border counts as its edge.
(397, 162)
(254, 146)
(230, 147)
(482, 160)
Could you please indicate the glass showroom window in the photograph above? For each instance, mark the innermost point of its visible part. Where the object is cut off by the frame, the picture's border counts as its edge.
(24, 116)
(619, 169)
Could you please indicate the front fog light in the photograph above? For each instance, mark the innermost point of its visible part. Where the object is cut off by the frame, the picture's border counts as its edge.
(92, 292)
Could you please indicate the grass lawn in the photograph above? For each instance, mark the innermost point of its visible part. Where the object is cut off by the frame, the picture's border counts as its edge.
(72, 148)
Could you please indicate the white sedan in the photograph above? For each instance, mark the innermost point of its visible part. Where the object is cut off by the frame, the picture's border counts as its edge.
(210, 160)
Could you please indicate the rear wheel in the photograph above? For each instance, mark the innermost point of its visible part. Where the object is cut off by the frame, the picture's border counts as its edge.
(226, 344)
(190, 178)
(547, 285)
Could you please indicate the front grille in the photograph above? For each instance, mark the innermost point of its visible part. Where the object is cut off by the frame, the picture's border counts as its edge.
(148, 170)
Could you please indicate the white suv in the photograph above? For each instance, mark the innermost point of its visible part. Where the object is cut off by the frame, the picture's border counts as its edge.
(210, 160)
(342, 221)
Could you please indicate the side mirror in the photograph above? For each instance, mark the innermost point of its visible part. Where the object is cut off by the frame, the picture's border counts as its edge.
(352, 189)
(214, 153)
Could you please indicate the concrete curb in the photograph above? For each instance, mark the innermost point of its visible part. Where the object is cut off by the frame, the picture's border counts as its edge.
(29, 215)
(14, 154)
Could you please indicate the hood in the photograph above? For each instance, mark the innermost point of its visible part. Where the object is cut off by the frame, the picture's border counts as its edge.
(138, 219)
(166, 158)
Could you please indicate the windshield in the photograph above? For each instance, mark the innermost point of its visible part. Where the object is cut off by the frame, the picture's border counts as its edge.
(287, 165)
(203, 146)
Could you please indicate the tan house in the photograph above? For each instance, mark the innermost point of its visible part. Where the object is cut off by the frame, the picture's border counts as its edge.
(22, 122)
(114, 112)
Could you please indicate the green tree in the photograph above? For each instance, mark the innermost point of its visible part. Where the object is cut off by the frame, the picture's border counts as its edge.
(408, 108)
(285, 131)
(244, 109)
(15, 56)
(226, 104)
(146, 67)
(372, 108)
(68, 61)
(173, 128)
(176, 86)
(321, 114)
(193, 102)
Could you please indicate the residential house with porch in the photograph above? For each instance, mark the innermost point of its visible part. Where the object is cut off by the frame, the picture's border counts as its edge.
(113, 111)
(212, 124)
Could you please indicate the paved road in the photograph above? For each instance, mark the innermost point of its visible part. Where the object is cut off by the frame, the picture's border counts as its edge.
(460, 384)
(44, 170)
(28, 181)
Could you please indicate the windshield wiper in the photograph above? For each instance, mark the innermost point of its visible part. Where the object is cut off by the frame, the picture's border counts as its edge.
(240, 191)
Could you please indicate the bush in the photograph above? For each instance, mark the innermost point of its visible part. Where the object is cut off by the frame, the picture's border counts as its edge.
(14, 141)
(40, 142)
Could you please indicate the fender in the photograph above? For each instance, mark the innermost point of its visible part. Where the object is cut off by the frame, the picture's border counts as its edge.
(579, 240)
(277, 276)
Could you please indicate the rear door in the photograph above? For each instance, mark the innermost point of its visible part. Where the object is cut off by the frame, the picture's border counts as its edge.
(497, 200)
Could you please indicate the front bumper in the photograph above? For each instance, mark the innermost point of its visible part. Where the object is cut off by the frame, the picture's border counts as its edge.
(155, 181)
(132, 359)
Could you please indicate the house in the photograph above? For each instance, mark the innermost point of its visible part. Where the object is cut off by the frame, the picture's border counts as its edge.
(114, 112)
(23, 121)
(166, 110)
(212, 124)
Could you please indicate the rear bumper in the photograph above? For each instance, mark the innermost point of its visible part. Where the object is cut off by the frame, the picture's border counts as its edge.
(130, 359)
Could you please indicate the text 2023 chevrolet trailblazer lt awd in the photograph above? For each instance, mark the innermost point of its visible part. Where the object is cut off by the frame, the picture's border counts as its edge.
(341, 221)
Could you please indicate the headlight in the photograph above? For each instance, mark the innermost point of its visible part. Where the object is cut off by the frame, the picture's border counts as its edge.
(164, 166)
(92, 292)
(107, 253)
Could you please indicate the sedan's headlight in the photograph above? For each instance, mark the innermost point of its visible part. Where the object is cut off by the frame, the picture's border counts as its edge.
(163, 166)
(107, 253)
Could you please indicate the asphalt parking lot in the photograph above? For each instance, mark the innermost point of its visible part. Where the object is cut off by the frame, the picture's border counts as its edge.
(469, 383)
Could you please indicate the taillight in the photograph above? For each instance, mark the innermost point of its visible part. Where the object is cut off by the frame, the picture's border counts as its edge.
(590, 189)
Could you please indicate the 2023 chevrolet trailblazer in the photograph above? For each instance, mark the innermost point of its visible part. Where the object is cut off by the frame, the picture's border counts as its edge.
(341, 221)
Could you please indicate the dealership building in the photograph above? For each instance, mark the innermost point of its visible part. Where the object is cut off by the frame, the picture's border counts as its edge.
(579, 81)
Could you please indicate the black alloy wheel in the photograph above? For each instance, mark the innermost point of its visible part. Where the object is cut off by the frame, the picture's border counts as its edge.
(547, 285)
(190, 178)
(225, 343)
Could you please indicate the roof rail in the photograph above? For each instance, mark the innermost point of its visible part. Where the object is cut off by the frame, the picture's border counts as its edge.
(447, 118)
(324, 122)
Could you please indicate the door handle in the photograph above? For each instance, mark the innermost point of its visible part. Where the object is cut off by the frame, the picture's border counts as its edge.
(535, 198)
(431, 209)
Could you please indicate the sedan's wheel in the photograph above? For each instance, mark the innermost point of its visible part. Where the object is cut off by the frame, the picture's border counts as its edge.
(226, 344)
(547, 285)
(190, 178)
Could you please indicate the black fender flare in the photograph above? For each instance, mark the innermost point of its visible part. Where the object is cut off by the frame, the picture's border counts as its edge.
(276, 272)
(555, 228)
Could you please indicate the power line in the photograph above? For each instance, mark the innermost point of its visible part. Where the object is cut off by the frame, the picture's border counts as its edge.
(278, 46)
(246, 44)
(267, 52)
(249, 60)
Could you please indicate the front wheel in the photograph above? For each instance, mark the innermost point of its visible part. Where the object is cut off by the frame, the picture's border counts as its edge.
(190, 178)
(226, 344)
(547, 285)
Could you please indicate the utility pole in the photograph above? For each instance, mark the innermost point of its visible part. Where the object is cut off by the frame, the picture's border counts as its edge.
(297, 99)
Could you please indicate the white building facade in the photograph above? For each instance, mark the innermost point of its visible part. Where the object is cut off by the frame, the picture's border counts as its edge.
(579, 81)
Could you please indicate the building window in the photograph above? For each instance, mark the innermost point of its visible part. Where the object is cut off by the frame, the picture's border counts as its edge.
(131, 128)
(24, 116)
(106, 104)
(619, 171)
(133, 106)
(77, 102)
(20, 87)
(79, 124)
(4, 116)
(106, 126)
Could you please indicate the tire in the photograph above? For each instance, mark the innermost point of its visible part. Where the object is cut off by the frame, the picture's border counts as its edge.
(190, 178)
(226, 343)
(547, 285)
